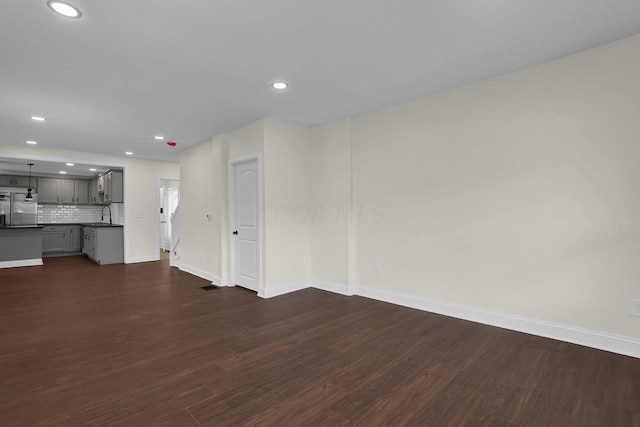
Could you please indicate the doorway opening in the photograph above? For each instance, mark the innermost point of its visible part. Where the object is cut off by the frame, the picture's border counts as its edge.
(168, 201)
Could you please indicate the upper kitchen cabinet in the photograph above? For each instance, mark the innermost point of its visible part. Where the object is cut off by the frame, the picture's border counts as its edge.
(110, 187)
(17, 181)
(94, 196)
(48, 190)
(82, 192)
(63, 191)
(75, 192)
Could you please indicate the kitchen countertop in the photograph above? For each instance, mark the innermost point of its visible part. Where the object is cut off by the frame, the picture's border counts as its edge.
(86, 224)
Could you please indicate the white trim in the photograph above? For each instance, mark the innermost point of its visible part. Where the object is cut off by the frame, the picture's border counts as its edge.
(197, 272)
(600, 340)
(219, 281)
(126, 228)
(589, 338)
(137, 259)
(336, 288)
(271, 292)
(21, 263)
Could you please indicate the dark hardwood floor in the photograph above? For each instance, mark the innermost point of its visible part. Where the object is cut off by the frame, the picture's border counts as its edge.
(142, 344)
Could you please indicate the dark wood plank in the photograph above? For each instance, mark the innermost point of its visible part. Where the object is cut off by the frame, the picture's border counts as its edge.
(142, 344)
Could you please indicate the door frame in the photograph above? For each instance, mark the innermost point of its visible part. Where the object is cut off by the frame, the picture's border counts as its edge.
(233, 163)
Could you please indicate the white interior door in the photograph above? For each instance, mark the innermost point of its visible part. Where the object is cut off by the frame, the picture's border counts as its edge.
(246, 223)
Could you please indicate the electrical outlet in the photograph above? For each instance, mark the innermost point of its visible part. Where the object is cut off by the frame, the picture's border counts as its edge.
(377, 269)
(634, 307)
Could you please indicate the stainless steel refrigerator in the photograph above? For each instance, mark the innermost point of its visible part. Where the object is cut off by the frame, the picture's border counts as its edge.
(5, 209)
(16, 210)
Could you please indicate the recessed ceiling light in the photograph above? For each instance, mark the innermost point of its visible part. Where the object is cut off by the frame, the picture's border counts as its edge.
(128, 153)
(93, 169)
(279, 85)
(38, 118)
(32, 142)
(69, 164)
(64, 9)
(159, 137)
(63, 172)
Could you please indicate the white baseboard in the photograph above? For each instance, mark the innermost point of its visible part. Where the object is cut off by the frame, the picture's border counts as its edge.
(603, 341)
(21, 263)
(137, 259)
(284, 289)
(197, 272)
(337, 288)
(616, 344)
(219, 281)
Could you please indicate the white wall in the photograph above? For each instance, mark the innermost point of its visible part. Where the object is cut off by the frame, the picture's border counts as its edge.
(516, 195)
(283, 150)
(197, 172)
(203, 189)
(330, 202)
(140, 180)
(287, 213)
(516, 199)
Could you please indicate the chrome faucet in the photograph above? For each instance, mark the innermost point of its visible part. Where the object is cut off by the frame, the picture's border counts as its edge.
(102, 214)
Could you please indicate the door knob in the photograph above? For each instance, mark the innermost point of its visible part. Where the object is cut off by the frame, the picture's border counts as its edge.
(235, 232)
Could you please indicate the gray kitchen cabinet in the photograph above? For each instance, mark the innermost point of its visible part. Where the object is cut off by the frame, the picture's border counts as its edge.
(106, 195)
(89, 242)
(94, 196)
(48, 190)
(61, 239)
(104, 245)
(17, 181)
(73, 241)
(67, 190)
(113, 191)
(53, 239)
(63, 191)
(81, 192)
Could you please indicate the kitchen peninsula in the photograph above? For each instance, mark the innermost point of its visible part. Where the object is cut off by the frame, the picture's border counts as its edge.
(20, 246)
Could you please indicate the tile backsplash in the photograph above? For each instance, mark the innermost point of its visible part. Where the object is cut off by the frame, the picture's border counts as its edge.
(61, 214)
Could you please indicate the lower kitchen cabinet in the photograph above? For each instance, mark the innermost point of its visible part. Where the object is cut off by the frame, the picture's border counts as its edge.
(61, 240)
(104, 245)
(74, 238)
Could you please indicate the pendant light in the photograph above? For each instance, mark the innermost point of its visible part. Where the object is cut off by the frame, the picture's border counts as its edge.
(29, 196)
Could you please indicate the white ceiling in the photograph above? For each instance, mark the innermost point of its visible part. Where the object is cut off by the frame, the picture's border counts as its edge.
(15, 166)
(190, 69)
